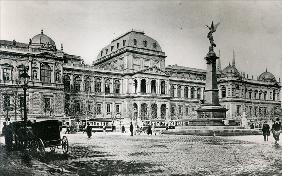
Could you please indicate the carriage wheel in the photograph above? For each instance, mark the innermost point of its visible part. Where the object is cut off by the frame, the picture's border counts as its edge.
(65, 144)
(52, 149)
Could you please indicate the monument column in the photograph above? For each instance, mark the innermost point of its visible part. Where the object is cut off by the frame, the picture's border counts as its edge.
(210, 110)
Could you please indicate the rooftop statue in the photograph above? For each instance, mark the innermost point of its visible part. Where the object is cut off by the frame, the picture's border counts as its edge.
(212, 29)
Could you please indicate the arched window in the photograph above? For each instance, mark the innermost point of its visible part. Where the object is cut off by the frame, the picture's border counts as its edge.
(163, 111)
(144, 111)
(135, 86)
(199, 93)
(58, 75)
(154, 108)
(107, 86)
(117, 86)
(77, 83)
(179, 91)
(273, 96)
(97, 85)
(250, 94)
(186, 92)
(264, 95)
(87, 85)
(34, 74)
(192, 92)
(153, 86)
(145, 43)
(67, 83)
(45, 73)
(172, 90)
(162, 87)
(223, 91)
(255, 94)
(143, 86)
(260, 95)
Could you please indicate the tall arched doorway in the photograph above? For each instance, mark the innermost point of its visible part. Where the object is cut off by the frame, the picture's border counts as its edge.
(154, 108)
(135, 111)
(144, 111)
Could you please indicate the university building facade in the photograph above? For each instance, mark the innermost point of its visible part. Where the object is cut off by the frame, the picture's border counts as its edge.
(128, 81)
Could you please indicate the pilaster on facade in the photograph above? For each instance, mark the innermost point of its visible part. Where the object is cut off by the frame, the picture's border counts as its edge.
(138, 85)
(189, 92)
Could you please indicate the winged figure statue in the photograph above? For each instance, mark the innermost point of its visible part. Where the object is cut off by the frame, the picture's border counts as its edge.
(212, 29)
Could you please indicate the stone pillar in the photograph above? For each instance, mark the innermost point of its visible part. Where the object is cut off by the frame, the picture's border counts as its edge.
(112, 86)
(52, 73)
(189, 92)
(182, 91)
(202, 93)
(82, 85)
(148, 85)
(157, 86)
(39, 72)
(71, 80)
(167, 111)
(149, 110)
(167, 87)
(138, 85)
(175, 90)
(158, 110)
(102, 85)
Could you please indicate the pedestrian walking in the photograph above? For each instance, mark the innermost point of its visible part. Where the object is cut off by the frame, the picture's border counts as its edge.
(149, 130)
(8, 137)
(276, 130)
(131, 129)
(265, 131)
(122, 129)
(89, 131)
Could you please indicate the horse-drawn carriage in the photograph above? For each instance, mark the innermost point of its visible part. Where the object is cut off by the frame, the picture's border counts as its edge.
(36, 136)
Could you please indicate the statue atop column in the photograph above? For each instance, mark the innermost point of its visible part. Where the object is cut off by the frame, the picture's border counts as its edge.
(212, 29)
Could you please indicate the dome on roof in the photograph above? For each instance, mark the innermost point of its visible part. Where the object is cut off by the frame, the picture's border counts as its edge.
(134, 39)
(267, 77)
(42, 41)
(230, 71)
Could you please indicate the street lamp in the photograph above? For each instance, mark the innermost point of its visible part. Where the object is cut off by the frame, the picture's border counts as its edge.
(25, 78)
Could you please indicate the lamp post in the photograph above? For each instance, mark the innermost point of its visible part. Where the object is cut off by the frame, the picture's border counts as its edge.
(25, 78)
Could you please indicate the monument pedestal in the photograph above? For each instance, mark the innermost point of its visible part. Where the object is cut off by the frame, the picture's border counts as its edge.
(210, 112)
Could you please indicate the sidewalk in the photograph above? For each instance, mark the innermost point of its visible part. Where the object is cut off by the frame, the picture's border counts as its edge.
(255, 139)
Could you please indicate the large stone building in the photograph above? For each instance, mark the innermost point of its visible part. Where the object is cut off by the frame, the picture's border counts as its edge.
(129, 80)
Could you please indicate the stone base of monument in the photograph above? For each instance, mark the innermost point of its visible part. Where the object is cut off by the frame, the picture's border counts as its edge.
(212, 131)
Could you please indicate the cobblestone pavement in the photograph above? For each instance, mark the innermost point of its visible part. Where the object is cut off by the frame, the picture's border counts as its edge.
(117, 154)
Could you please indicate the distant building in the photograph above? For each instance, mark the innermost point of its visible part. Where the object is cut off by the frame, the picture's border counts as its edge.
(127, 82)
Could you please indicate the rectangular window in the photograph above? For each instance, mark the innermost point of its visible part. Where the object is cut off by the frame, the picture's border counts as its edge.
(238, 110)
(6, 74)
(117, 45)
(117, 108)
(98, 109)
(180, 110)
(256, 111)
(187, 111)
(123, 42)
(108, 108)
(47, 104)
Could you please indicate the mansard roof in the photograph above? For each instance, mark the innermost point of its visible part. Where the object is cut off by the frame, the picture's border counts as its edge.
(134, 39)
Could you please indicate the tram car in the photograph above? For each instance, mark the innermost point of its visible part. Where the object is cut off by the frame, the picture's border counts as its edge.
(101, 124)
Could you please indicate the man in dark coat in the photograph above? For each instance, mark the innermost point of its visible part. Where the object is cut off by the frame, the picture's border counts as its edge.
(265, 131)
(131, 129)
(276, 130)
(89, 131)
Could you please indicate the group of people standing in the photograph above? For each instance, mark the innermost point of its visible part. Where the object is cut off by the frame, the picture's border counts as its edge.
(276, 127)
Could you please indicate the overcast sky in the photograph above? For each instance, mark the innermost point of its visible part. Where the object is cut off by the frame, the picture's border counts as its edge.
(253, 28)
